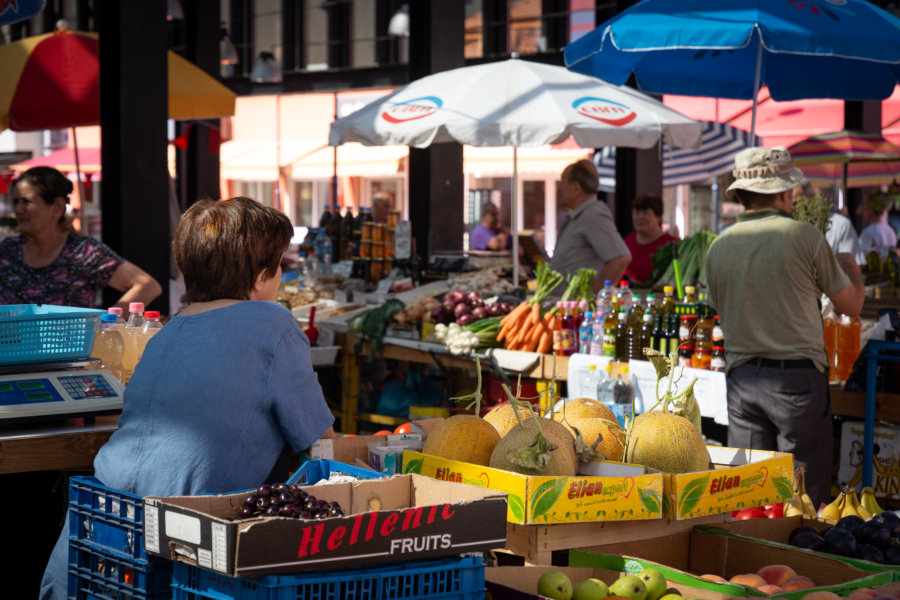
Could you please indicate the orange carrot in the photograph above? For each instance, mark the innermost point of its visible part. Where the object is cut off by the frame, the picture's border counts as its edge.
(543, 346)
(514, 314)
(535, 313)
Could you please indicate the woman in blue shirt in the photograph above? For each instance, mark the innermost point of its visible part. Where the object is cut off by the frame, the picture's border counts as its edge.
(227, 384)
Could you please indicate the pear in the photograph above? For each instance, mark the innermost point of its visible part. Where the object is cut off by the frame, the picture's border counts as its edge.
(556, 585)
(654, 581)
(629, 586)
(590, 589)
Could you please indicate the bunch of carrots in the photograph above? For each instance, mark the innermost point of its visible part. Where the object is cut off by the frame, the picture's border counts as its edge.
(527, 327)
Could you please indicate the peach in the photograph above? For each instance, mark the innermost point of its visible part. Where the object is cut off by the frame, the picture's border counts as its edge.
(863, 594)
(820, 596)
(716, 578)
(770, 589)
(800, 582)
(751, 580)
(776, 574)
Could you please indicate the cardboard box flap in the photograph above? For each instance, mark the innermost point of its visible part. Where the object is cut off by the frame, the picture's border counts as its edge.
(426, 490)
(381, 494)
(735, 457)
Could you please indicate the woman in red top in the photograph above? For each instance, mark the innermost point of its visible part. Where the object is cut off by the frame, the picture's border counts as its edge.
(647, 238)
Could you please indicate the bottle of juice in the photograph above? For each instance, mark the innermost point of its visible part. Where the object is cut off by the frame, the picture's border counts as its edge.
(559, 330)
(132, 332)
(109, 346)
(848, 345)
(830, 324)
(120, 322)
(570, 325)
(151, 327)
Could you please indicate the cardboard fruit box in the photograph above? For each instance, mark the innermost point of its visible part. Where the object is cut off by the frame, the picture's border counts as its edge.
(630, 494)
(692, 554)
(738, 479)
(521, 583)
(387, 520)
(776, 532)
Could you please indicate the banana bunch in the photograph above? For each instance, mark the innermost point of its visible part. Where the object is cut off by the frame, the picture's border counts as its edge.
(846, 504)
(868, 501)
(800, 502)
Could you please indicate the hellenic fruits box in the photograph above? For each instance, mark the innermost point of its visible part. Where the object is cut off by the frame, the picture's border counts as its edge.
(731, 559)
(738, 479)
(387, 520)
(544, 499)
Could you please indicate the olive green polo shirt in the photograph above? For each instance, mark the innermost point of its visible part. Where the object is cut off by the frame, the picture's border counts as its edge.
(766, 274)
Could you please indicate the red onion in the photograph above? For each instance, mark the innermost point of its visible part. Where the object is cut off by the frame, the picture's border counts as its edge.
(461, 309)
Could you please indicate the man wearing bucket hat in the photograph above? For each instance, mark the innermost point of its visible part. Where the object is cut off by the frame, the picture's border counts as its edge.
(766, 275)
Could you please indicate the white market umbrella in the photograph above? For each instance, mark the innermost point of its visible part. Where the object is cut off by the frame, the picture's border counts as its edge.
(515, 103)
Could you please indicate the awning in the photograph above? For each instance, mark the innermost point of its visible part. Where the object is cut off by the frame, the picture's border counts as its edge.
(260, 160)
(64, 160)
(541, 160)
(353, 160)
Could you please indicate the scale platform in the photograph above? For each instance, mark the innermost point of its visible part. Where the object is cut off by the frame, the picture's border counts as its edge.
(58, 390)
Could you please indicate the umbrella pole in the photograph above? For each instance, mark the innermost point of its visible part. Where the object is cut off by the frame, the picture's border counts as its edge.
(514, 227)
(81, 197)
(756, 77)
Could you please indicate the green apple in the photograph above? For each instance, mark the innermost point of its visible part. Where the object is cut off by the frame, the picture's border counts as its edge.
(556, 585)
(655, 582)
(590, 589)
(629, 586)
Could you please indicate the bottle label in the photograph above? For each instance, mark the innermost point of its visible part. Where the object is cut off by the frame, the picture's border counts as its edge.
(609, 343)
(717, 363)
(564, 340)
(596, 348)
(684, 334)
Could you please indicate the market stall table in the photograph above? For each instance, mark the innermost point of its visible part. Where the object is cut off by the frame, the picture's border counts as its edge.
(70, 446)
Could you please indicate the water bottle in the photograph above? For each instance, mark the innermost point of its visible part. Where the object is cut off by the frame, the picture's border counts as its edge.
(591, 379)
(109, 346)
(624, 296)
(604, 387)
(605, 297)
(302, 269)
(132, 333)
(596, 347)
(120, 322)
(623, 394)
(585, 333)
(151, 327)
(324, 251)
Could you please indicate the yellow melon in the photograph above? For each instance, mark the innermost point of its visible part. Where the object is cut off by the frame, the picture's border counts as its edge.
(563, 461)
(580, 408)
(612, 437)
(463, 437)
(666, 442)
(503, 419)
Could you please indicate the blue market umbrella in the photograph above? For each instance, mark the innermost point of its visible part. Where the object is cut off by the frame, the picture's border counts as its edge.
(847, 49)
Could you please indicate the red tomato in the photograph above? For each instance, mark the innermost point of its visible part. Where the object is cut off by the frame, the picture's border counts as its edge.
(383, 432)
(751, 513)
(405, 428)
(774, 511)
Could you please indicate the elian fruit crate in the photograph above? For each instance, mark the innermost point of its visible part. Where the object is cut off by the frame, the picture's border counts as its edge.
(106, 546)
(439, 579)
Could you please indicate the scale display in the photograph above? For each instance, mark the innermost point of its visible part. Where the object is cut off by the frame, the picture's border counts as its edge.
(59, 393)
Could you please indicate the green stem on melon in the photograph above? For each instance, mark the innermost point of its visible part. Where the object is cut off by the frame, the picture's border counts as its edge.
(538, 452)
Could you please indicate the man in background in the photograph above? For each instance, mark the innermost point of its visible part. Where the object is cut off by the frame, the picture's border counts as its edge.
(382, 203)
(588, 238)
(766, 274)
(490, 235)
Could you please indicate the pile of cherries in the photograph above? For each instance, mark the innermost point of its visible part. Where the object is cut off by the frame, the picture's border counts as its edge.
(286, 500)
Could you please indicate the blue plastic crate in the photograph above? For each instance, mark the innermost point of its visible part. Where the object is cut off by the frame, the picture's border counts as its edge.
(107, 518)
(98, 575)
(442, 579)
(32, 333)
(315, 470)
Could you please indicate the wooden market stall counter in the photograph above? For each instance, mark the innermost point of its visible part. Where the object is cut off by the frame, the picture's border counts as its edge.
(69, 446)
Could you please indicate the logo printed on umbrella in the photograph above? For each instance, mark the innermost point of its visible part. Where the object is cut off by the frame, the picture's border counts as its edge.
(417, 108)
(605, 111)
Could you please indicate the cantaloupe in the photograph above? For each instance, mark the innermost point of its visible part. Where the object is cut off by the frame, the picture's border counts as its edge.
(667, 442)
(580, 408)
(511, 453)
(503, 419)
(467, 438)
(612, 437)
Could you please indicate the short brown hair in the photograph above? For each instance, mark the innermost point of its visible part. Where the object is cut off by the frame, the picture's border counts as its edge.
(650, 201)
(221, 246)
(750, 199)
(584, 173)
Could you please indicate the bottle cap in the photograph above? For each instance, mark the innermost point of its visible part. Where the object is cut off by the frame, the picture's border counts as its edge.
(592, 368)
(623, 369)
(152, 314)
(623, 283)
(650, 297)
(687, 317)
(108, 318)
(637, 298)
(607, 283)
(115, 310)
(685, 347)
(136, 307)
(582, 304)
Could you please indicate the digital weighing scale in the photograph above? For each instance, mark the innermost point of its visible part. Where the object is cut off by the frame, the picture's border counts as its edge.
(68, 389)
